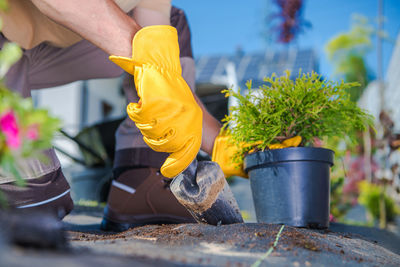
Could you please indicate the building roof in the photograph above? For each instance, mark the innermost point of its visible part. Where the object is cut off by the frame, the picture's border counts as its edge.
(255, 66)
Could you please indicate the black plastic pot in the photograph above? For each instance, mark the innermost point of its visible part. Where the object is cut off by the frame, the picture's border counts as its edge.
(291, 186)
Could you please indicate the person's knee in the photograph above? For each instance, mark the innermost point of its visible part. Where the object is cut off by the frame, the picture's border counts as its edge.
(50, 193)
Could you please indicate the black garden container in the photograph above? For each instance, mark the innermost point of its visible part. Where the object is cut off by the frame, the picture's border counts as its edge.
(291, 186)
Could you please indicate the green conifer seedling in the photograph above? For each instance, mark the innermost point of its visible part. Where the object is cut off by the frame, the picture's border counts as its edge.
(307, 106)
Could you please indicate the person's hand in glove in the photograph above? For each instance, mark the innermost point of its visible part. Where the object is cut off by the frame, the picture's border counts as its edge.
(167, 114)
(223, 152)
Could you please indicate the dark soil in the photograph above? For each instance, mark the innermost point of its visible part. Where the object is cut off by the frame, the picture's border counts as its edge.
(248, 237)
(243, 235)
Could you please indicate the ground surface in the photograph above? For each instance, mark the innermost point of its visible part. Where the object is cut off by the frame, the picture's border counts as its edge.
(205, 245)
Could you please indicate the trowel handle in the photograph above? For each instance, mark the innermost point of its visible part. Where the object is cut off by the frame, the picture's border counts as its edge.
(187, 181)
(191, 170)
(203, 190)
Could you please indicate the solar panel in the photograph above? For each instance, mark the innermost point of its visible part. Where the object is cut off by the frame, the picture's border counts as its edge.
(256, 66)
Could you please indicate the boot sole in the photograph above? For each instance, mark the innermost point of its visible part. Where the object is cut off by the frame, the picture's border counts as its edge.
(111, 226)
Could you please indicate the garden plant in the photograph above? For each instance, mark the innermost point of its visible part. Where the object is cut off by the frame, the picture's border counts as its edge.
(291, 185)
(24, 132)
(282, 108)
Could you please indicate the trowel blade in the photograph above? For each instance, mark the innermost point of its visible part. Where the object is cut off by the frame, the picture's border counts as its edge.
(203, 190)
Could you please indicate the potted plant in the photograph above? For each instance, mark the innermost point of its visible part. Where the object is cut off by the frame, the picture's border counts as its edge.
(291, 185)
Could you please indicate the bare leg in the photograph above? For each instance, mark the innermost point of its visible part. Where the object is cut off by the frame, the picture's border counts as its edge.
(102, 23)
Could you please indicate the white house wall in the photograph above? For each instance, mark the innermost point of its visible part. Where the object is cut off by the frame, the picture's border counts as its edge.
(370, 100)
(392, 90)
(63, 102)
(107, 90)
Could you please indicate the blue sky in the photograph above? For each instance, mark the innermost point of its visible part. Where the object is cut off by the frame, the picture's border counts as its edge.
(220, 26)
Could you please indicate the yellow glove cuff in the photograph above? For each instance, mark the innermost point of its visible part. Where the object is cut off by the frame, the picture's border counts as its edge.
(149, 45)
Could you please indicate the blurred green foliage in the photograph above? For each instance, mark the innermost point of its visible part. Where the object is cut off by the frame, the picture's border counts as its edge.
(3, 5)
(10, 53)
(339, 205)
(369, 197)
(29, 120)
(346, 51)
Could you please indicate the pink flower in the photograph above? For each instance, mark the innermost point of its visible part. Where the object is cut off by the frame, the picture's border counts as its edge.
(317, 142)
(33, 132)
(9, 126)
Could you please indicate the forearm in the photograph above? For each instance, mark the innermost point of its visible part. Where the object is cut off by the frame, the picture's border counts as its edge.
(211, 128)
(101, 22)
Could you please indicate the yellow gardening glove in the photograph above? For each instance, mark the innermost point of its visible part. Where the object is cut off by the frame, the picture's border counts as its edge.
(291, 142)
(223, 152)
(167, 114)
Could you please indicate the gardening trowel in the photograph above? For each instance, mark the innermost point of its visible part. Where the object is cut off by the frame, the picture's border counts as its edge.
(202, 189)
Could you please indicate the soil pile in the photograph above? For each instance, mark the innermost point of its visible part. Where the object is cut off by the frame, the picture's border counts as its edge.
(251, 241)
